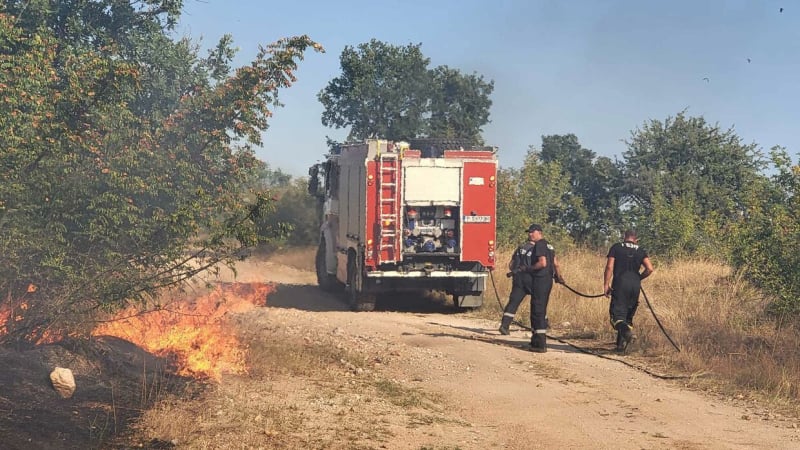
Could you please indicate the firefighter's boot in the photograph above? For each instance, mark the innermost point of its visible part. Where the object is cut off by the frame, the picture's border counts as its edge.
(504, 324)
(619, 347)
(624, 337)
(539, 343)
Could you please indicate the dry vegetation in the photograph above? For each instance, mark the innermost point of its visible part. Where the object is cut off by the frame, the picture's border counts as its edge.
(728, 343)
(304, 391)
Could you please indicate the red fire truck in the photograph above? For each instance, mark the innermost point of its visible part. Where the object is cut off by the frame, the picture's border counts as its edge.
(406, 216)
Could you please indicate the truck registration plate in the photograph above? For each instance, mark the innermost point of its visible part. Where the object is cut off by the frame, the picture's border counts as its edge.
(477, 219)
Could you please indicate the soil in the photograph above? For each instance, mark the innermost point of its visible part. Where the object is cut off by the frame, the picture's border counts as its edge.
(112, 391)
(472, 387)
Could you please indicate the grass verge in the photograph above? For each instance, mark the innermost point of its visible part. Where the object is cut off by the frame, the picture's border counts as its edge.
(715, 316)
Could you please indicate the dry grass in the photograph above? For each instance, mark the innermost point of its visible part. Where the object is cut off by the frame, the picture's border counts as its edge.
(299, 381)
(712, 313)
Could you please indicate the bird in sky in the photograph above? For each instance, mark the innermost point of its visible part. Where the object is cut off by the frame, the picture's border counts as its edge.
(780, 10)
(706, 79)
(748, 60)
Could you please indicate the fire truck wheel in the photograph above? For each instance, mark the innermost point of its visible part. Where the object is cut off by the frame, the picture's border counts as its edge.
(359, 301)
(326, 281)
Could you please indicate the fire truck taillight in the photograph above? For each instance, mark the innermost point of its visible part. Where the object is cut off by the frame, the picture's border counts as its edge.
(491, 251)
(491, 181)
(370, 179)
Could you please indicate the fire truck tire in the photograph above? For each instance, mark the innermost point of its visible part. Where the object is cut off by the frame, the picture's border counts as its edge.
(326, 281)
(359, 301)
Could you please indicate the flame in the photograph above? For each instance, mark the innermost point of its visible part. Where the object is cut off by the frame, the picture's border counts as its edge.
(193, 331)
(5, 313)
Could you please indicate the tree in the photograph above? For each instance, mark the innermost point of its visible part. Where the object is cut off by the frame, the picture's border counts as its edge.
(296, 211)
(293, 217)
(594, 180)
(459, 104)
(686, 161)
(383, 92)
(388, 92)
(765, 241)
(533, 193)
(125, 158)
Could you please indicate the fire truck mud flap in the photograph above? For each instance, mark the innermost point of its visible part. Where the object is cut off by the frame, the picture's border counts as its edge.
(468, 301)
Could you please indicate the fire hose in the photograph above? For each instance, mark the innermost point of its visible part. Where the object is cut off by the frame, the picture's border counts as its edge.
(590, 352)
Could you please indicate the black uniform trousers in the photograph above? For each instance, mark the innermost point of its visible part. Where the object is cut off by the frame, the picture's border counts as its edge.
(539, 289)
(624, 298)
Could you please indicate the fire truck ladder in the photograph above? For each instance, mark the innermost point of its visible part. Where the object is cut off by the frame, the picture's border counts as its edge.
(388, 166)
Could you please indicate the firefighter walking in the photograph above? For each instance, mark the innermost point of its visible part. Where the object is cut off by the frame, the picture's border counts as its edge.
(533, 266)
(624, 262)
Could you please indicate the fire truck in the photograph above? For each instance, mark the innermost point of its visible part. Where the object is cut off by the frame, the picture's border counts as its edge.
(406, 217)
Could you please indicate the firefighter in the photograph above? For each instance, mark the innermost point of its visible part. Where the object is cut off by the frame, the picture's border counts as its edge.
(624, 262)
(533, 267)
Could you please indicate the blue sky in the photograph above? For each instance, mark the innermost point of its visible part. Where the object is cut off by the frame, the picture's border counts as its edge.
(598, 69)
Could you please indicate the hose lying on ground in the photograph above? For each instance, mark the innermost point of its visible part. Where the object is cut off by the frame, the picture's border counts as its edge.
(587, 351)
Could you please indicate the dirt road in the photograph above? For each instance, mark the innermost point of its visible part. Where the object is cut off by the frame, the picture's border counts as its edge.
(475, 389)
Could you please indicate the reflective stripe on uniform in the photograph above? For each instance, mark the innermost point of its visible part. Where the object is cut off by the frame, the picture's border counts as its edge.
(509, 315)
(540, 331)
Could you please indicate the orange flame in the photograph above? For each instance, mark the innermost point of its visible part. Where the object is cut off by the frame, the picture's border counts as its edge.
(5, 313)
(8, 313)
(193, 331)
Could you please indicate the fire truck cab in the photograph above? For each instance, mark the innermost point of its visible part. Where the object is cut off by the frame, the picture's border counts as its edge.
(406, 216)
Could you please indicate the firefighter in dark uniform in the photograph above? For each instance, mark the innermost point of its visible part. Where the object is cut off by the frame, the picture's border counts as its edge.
(624, 261)
(534, 266)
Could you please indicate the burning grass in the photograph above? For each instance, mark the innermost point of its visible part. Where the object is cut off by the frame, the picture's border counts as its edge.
(713, 314)
(193, 331)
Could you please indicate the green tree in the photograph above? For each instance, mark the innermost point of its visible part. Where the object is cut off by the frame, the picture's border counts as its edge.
(533, 193)
(594, 181)
(388, 92)
(383, 92)
(273, 178)
(766, 238)
(459, 106)
(296, 209)
(293, 217)
(125, 158)
(686, 161)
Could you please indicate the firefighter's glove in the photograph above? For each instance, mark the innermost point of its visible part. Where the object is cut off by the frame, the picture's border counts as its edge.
(510, 274)
(558, 279)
